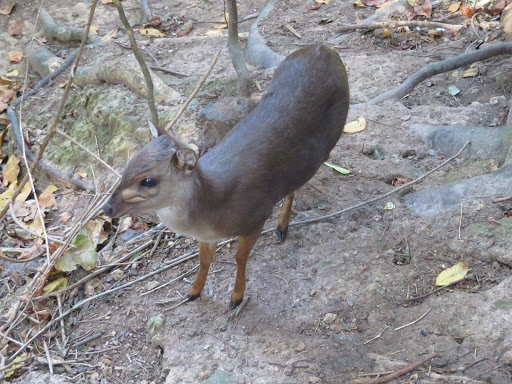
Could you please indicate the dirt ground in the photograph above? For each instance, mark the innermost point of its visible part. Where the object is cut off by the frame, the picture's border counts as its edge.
(317, 301)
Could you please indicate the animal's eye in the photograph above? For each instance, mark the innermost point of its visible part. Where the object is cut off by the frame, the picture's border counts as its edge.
(148, 183)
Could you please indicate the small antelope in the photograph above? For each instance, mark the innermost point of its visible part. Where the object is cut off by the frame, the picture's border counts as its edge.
(231, 190)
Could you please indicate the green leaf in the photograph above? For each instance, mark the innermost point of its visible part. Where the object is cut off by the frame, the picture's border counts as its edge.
(84, 254)
(343, 171)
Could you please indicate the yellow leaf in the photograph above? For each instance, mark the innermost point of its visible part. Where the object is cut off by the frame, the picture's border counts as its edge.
(220, 26)
(63, 85)
(469, 72)
(454, 7)
(56, 285)
(94, 29)
(386, 33)
(355, 126)
(83, 175)
(341, 170)
(4, 197)
(151, 32)
(27, 190)
(215, 32)
(16, 363)
(110, 35)
(46, 198)
(36, 225)
(359, 3)
(452, 274)
(12, 169)
(322, 1)
(14, 72)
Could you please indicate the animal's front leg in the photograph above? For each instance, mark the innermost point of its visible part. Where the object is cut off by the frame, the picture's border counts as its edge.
(245, 244)
(206, 253)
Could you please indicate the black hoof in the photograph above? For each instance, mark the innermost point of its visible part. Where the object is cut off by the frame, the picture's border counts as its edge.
(191, 297)
(281, 234)
(234, 304)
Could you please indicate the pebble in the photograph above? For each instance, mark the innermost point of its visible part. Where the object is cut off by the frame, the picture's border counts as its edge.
(329, 318)
(152, 284)
(117, 274)
(288, 371)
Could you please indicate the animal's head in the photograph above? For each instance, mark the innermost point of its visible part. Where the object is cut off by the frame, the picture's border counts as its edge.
(154, 178)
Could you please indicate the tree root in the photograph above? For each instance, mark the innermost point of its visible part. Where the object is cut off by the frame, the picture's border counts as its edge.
(126, 71)
(257, 53)
(61, 33)
(43, 61)
(442, 67)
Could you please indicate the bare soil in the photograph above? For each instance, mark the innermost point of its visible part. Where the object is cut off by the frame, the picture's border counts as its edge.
(316, 300)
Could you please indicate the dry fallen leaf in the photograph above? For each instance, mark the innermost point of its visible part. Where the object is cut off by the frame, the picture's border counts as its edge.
(83, 175)
(215, 32)
(322, 1)
(452, 274)
(56, 285)
(110, 35)
(468, 12)
(424, 9)
(25, 192)
(93, 29)
(12, 169)
(358, 3)
(454, 7)
(6, 10)
(15, 27)
(106, 1)
(151, 32)
(6, 96)
(15, 57)
(46, 199)
(471, 72)
(65, 216)
(14, 72)
(399, 181)
(355, 126)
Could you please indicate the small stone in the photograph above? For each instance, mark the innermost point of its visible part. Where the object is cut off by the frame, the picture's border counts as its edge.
(221, 377)
(329, 318)
(408, 153)
(152, 284)
(432, 152)
(301, 347)
(288, 371)
(117, 274)
(350, 303)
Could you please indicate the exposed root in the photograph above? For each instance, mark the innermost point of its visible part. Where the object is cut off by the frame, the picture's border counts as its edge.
(62, 33)
(397, 24)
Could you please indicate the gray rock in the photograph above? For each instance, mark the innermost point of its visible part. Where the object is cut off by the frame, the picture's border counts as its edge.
(221, 377)
(217, 119)
(446, 198)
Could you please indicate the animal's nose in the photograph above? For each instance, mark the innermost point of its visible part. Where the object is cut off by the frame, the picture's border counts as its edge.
(108, 209)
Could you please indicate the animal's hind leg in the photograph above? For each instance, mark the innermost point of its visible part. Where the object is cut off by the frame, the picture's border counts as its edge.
(284, 217)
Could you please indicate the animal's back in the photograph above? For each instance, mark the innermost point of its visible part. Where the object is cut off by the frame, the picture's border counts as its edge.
(280, 145)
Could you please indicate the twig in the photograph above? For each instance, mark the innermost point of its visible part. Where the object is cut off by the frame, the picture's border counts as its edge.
(11, 339)
(95, 273)
(442, 67)
(185, 300)
(415, 321)
(320, 218)
(89, 152)
(239, 309)
(282, 278)
(53, 127)
(143, 66)
(194, 93)
(87, 339)
(237, 58)
(48, 357)
(170, 281)
(488, 370)
(430, 293)
(182, 259)
(19, 261)
(376, 337)
(397, 374)
(501, 199)
(163, 69)
(397, 24)
(460, 220)
(22, 226)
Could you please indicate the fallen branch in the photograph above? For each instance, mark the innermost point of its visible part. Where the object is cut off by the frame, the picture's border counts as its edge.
(170, 72)
(397, 374)
(194, 93)
(320, 218)
(450, 64)
(237, 58)
(397, 24)
(415, 321)
(428, 294)
(147, 76)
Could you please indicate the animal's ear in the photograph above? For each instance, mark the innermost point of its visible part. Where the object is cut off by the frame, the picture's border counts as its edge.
(186, 159)
(156, 130)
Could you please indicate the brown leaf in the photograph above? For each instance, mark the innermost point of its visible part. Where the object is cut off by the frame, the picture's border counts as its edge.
(315, 6)
(6, 10)
(155, 22)
(11, 171)
(467, 12)
(46, 198)
(398, 181)
(6, 96)
(65, 216)
(424, 9)
(15, 57)
(188, 28)
(15, 27)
